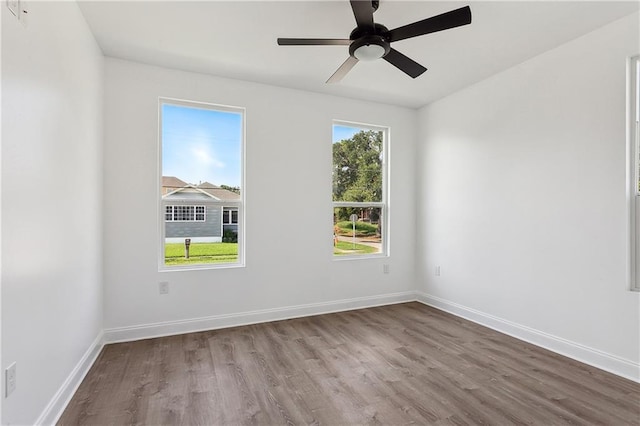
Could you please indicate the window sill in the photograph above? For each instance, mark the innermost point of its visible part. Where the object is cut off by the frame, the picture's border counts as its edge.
(341, 258)
(204, 267)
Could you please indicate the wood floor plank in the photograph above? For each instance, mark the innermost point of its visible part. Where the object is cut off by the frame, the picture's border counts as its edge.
(392, 365)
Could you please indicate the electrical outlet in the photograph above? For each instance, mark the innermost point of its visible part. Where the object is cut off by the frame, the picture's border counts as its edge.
(385, 268)
(10, 379)
(437, 271)
(163, 287)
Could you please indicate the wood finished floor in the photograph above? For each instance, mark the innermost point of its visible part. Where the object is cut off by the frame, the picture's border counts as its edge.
(392, 365)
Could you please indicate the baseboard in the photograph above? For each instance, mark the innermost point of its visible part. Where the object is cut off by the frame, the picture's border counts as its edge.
(61, 399)
(587, 355)
(147, 331)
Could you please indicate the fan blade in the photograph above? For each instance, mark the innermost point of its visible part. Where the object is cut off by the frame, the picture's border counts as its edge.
(404, 63)
(363, 12)
(452, 19)
(313, 42)
(343, 70)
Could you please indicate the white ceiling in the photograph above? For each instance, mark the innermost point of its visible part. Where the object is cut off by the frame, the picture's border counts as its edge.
(237, 39)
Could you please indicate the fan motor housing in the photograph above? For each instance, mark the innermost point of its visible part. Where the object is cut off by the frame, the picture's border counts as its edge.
(368, 36)
(378, 29)
(368, 40)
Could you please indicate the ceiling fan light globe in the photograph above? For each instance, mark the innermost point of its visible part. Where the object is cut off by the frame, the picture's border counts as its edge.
(369, 52)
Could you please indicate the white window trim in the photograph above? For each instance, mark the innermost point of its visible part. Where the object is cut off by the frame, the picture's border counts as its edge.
(383, 205)
(633, 150)
(239, 204)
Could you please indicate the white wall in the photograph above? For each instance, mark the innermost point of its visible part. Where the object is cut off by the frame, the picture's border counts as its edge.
(288, 189)
(522, 199)
(52, 81)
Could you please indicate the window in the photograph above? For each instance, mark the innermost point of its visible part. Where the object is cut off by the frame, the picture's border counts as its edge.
(634, 169)
(360, 211)
(230, 217)
(185, 213)
(201, 195)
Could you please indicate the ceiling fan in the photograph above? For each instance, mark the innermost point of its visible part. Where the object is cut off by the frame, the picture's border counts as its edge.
(370, 40)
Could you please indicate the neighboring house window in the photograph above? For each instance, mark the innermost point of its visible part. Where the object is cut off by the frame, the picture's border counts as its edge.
(230, 217)
(185, 213)
(634, 170)
(360, 211)
(199, 214)
(201, 196)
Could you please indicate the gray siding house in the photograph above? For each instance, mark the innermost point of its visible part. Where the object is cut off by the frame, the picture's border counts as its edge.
(197, 212)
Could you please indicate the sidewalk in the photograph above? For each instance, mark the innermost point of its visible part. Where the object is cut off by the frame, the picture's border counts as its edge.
(366, 241)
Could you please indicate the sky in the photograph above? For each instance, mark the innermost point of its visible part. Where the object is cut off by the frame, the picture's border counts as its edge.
(343, 132)
(201, 145)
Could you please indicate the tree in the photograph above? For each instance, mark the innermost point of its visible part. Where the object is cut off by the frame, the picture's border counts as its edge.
(357, 170)
(235, 189)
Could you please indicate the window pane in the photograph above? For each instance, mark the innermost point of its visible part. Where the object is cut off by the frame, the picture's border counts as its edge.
(357, 164)
(359, 197)
(636, 117)
(234, 216)
(357, 230)
(200, 215)
(183, 213)
(201, 169)
(634, 93)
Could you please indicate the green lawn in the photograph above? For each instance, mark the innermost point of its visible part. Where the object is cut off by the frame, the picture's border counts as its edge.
(200, 253)
(346, 248)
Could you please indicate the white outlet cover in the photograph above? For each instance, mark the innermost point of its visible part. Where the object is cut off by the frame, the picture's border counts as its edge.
(10, 379)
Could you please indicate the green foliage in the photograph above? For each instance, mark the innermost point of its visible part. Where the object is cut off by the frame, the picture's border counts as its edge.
(201, 253)
(363, 229)
(229, 236)
(347, 248)
(367, 214)
(344, 213)
(235, 189)
(357, 168)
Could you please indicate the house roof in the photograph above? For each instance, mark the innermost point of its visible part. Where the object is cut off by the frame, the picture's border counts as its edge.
(216, 191)
(189, 193)
(176, 188)
(171, 183)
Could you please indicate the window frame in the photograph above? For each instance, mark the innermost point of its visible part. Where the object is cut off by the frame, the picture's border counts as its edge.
(633, 170)
(239, 204)
(383, 205)
(230, 210)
